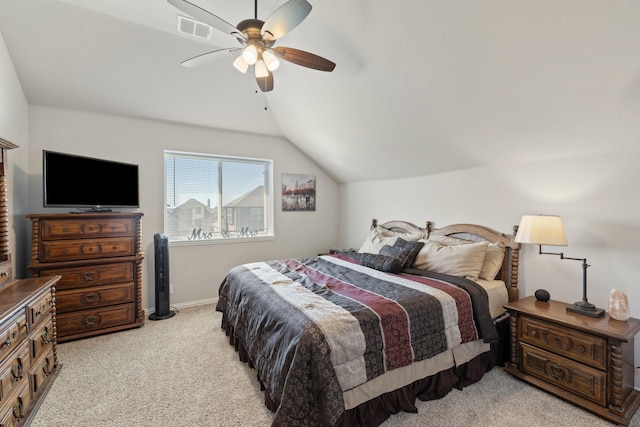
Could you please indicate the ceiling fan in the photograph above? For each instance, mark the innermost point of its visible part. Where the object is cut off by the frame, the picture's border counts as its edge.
(257, 39)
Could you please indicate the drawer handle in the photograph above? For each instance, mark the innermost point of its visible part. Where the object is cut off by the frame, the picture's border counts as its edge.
(91, 320)
(533, 333)
(65, 229)
(580, 349)
(557, 372)
(46, 369)
(18, 410)
(88, 276)
(45, 336)
(7, 343)
(16, 371)
(90, 298)
(4, 274)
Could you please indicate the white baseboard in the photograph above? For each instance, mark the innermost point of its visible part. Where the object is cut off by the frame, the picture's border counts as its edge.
(179, 306)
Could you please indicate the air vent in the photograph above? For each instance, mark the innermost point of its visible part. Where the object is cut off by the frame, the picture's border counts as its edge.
(194, 28)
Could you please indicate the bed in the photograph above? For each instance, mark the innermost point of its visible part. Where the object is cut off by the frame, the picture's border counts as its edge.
(352, 337)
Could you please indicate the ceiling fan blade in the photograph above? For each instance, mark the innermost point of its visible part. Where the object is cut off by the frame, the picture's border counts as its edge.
(303, 58)
(207, 17)
(284, 19)
(206, 58)
(265, 83)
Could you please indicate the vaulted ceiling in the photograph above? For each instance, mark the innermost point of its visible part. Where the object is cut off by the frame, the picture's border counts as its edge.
(420, 86)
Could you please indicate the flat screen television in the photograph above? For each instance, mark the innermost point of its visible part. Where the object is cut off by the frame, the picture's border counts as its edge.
(87, 183)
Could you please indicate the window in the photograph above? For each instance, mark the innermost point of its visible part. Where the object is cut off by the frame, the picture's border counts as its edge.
(214, 198)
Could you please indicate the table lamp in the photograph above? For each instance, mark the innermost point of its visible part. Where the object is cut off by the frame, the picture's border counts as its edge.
(548, 230)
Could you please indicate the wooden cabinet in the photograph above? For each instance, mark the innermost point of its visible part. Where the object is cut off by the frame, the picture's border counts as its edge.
(28, 347)
(586, 361)
(99, 259)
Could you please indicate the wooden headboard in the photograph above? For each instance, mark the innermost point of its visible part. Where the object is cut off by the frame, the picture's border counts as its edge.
(475, 233)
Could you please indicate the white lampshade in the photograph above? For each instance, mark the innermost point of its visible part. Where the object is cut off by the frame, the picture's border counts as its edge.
(270, 60)
(261, 69)
(250, 54)
(240, 64)
(541, 230)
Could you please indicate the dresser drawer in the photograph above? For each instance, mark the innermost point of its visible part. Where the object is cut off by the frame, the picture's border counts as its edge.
(78, 277)
(14, 371)
(86, 228)
(585, 348)
(42, 370)
(69, 250)
(12, 332)
(97, 296)
(89, 320)
(41, 339)
(579, 379)
(13, 412)
(40, 308)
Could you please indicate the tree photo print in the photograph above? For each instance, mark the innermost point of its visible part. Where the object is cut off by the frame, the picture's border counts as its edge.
(298, 192)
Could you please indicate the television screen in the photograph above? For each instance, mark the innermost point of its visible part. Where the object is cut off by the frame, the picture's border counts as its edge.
(88, 183)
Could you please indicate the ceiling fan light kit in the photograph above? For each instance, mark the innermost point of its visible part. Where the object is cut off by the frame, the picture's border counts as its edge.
(257, 39)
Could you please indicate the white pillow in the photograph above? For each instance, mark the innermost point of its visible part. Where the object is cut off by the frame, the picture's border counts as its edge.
(492, 261)
(380, 236)
(493, 258)
(457, 260)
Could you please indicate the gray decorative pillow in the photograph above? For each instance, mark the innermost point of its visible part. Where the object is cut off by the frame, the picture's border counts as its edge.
(378, 261)
(410, 250)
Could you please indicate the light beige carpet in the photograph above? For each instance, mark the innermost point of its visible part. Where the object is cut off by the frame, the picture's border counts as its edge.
(183, 372)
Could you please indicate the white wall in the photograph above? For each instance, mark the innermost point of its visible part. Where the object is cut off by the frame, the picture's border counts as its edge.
(197, 270)
(14, 127)
(598, 198)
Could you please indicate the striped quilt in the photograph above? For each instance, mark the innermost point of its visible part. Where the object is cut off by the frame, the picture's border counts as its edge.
(315, 327)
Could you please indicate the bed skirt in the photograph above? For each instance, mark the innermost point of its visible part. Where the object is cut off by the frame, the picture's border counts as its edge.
(374, 412)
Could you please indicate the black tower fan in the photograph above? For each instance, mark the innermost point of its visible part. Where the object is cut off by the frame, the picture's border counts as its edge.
(161, 252)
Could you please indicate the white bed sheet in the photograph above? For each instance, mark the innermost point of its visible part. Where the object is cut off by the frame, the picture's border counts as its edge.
(498, 295)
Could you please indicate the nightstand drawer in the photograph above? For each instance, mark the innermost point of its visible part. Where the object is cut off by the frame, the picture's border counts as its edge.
(570, 343)
(561, 372)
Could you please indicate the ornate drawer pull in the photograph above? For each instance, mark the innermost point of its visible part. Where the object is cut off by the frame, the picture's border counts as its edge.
(580, 349)
(46, 369)
(88, 276)
(91, 320)
(533, 333)
(45, 336)
(18, 411)
(16, 371)
(90, 298)
(7, 343)
(4, 274)
(557, 372)
(65, 229)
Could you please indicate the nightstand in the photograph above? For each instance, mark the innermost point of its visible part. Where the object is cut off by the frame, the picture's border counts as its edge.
(584, 360)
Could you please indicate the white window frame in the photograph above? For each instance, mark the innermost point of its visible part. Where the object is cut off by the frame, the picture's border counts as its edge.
(268, 234)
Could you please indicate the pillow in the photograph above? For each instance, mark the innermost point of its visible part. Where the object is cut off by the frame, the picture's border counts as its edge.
(493, 258)
(457, 260)
(379, 262)
(380, 236)
(375, 241)
(411, 249)
(492, 261)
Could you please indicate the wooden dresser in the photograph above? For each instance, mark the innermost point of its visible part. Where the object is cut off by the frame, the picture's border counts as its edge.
(28, 348)
(99, 259)
(586, 361)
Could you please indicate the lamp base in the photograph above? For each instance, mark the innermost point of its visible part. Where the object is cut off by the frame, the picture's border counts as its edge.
(585, 309)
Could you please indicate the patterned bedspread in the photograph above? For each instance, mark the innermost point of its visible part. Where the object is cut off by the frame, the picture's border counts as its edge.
(315, 327)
